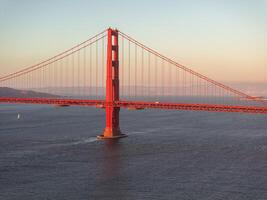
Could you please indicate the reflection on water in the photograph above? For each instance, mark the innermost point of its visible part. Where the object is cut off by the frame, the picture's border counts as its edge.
(112, 172)
(112, 163)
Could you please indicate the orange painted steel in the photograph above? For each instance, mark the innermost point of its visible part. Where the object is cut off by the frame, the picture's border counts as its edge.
(53, 101)
(193, 107)
(48, 62)
(54, 58)
(138, 105)
(112, 103)
(150, 50)
(112, 129)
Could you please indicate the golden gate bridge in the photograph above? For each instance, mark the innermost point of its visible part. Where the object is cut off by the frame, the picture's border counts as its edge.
(112, 70)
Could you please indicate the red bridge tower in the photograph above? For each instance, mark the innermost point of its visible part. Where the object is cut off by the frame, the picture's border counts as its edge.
(112, 130)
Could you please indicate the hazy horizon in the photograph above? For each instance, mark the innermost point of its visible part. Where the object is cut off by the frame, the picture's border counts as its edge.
(250, 88)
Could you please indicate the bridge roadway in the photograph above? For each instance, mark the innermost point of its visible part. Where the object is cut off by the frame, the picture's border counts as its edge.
(137, 105)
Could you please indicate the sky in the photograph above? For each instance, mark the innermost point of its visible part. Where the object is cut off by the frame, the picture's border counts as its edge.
(223, 39)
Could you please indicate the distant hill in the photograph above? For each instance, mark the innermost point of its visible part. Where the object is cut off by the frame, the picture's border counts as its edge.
(10, 92)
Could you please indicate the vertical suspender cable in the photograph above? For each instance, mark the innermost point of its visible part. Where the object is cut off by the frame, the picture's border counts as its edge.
(102, 68)
(162, 77)
(135, 70)
(142, 73)
(96, 66)
(72, 74)
(149, 84)
(84, 72)
(90, 71)
(156, 74)
(129, 69)
(78, 76)
(122, 67)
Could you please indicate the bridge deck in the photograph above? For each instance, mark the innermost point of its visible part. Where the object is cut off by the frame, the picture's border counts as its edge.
(137, 105)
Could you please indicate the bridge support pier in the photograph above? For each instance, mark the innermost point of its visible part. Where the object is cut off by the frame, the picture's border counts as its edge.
(112, 130)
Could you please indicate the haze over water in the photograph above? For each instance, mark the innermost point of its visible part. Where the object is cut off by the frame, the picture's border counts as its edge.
(52, 153)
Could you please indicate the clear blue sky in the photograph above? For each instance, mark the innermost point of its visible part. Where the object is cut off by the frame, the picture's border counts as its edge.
(224, 39)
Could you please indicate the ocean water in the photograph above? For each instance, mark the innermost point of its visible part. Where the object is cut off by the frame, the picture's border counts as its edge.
(53, 153)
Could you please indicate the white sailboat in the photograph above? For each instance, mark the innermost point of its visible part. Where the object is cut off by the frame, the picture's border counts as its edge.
(18, 116)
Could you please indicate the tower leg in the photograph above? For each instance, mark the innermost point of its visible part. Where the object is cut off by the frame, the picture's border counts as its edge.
(112, 130)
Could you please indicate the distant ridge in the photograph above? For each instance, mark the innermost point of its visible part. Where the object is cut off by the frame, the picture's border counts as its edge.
(10, 92)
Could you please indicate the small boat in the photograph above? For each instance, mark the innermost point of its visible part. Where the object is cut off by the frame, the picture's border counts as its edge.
(18, 116)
